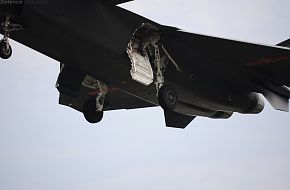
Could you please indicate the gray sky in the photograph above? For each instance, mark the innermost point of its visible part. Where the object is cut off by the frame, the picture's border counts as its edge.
(47, 146)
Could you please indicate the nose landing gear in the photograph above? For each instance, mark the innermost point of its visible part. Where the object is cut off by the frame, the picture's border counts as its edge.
(6, 27)
(5, 49)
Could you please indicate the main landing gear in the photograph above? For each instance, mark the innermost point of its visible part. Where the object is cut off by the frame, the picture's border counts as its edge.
(93, 108)
(167, 97)
(149, 60)
(91, 114)
(6, 27)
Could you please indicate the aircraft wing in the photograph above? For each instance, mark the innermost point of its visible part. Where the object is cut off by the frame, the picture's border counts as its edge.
(267, 67)
(272, 63)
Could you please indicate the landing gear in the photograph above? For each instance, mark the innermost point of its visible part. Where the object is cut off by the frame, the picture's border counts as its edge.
(90, 113)
(149, 60)
(93, 108)
(167, 97)
(6, 27)
(5, 49)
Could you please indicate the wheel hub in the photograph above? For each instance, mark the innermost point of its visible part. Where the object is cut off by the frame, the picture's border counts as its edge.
(171, 97)
(6, 50)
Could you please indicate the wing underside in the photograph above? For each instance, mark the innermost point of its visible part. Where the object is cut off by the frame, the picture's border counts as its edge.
(272, 62)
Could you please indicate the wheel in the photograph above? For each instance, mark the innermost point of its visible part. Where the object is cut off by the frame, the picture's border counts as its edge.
(5, 52)
(167, 97)
(90, 113)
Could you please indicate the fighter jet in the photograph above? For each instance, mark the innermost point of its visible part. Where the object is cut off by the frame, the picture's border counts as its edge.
(111, 59)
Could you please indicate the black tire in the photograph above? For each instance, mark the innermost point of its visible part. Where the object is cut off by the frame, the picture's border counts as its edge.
(90, 113)
(167, 98)
(4, 52)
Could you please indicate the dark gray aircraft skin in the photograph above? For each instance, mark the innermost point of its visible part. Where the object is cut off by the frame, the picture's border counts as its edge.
(97, 44)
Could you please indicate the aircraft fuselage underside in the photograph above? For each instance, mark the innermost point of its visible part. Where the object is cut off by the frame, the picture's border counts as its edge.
(104, 42)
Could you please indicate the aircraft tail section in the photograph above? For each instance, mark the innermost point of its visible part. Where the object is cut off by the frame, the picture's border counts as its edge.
(277, 96)
(278, 101)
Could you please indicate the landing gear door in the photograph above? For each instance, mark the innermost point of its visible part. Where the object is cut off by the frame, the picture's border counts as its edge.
(146, 51)
(141, 70)
(139, 50)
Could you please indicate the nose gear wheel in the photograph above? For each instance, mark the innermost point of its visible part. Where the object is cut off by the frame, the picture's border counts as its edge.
(5, 49)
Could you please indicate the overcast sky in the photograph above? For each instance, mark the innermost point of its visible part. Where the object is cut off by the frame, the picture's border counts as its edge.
(47, 146)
